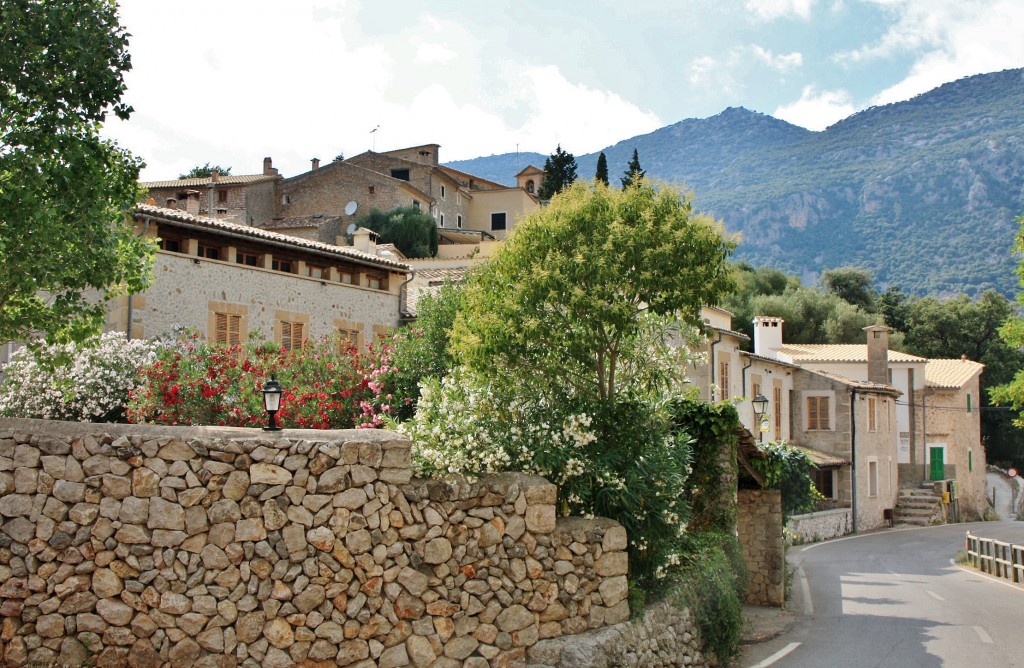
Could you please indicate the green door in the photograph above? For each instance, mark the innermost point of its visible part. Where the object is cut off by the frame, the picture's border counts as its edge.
(938, 471)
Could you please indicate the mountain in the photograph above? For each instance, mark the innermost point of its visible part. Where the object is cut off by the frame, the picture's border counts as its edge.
(924, 192)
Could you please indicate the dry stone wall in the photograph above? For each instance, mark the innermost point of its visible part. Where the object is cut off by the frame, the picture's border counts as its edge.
(124, 545)
(761, 539)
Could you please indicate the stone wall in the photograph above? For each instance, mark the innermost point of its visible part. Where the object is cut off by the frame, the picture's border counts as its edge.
(822, 525)
(761, 540)
(125, 545)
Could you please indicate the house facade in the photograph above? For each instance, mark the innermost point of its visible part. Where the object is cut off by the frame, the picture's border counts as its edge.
(229, 280)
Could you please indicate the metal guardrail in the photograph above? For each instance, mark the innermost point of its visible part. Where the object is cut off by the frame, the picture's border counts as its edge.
(1004, 560)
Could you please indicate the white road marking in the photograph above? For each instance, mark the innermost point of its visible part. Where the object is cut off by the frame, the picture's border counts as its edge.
(778, 655)
(985, 637)
(934, 595)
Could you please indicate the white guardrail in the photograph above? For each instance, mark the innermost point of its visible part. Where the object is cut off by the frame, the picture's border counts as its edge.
(1004, 560)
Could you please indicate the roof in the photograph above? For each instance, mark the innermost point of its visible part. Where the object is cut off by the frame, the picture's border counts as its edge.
(951, 374)
(477, 180)
(213, 224)
(730, 332)
(300, 222)
(530, 169)
(863, 385)
(848, 352)
(822, 459)
(459, 236)
(768, 360)
(208, 181)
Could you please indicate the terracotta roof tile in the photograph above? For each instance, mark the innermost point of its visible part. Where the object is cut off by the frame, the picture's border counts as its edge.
(266, 235)
(851, 352)
(951, 374)
(206, 181)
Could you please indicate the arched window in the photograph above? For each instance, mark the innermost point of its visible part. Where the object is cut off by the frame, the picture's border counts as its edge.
(529, 186)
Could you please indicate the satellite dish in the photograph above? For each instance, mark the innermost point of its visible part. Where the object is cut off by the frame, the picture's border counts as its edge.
(350, 208)
(351, 229)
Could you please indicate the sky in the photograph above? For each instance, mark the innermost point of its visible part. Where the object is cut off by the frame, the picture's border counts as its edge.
(230, 82)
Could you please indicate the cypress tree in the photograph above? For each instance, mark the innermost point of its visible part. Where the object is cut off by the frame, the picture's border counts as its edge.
(602, 169)
(559, 172)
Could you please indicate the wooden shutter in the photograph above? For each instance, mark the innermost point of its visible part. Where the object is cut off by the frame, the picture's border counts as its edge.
(777, 408)
(817, 413)
(221, 333)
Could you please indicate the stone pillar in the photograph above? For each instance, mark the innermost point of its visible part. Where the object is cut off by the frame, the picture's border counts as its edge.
(761, 540)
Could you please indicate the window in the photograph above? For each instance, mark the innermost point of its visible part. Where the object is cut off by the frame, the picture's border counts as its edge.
(824, 481)
(416, 204)
(249, 259)
(442, 219)
(402, 174)
(209, 252)
(292, 334)
(530, 186)
(458, 224)
(817, 413)
(970, 461)
(313, 271)
(968, 403)
(347, 278)
(170, 245)
(222, 195)
(498, 221)
(872, 414)
(228, 329)
(872, 478)
(281, 265)
(723, 381)
(286, 199)
(375, 282)
(442, 192)
(349, 337)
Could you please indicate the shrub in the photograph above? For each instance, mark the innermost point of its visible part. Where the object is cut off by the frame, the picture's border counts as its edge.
(89, 382)
(326, 384)
(787, 469)
(712, 582)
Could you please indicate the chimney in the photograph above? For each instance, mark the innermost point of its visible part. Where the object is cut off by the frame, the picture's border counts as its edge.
(316, 163)
(767, 335)
(268, 167)
(878, 353)
(214, 176)
(192, 203)
(365, 240)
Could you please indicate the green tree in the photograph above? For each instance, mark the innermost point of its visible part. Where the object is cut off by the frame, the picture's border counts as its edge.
(814, 316)
(205, 171)
(339, 158)
(851, 284)
(66, 241)
(633, 172)
(601, 175)
(559, 173)
(409, 229)
(566, 298)
(893, 304)
(421, 349)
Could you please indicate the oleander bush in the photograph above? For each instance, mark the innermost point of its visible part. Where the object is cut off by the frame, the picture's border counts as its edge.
(87, 382)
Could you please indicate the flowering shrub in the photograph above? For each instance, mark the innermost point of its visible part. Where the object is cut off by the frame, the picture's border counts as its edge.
(621, 461)
(326, 384)
(88, 382)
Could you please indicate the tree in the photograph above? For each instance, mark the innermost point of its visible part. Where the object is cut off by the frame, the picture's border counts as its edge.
(633, 172)
(66, 241)
(409, 229)
(339, 158)
(814, 316)
(566, 301)
(205, 171)
(559, 173)
(851, 284)
(601, 175)
(894, 305)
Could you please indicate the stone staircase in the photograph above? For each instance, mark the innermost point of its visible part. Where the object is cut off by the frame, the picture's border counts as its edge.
(919, 506)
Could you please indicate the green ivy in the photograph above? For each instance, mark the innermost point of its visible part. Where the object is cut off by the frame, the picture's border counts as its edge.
(788, 469)
(713, 430)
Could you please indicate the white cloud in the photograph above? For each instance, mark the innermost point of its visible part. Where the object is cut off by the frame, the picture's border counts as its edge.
(948, 39)
(434, 54)
(817, 111)
(701, 69)
(783, 62)
(769, 10)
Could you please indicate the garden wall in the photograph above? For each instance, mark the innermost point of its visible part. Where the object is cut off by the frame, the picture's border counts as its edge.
(140, 546)
(822, 525)
(764, 551)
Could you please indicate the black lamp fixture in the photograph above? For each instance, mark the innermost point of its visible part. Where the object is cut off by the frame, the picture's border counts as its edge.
(760, 404)
(272, 402)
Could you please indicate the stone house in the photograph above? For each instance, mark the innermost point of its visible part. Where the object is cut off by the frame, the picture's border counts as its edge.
(228, 280)
(951, 423)
(247, 199)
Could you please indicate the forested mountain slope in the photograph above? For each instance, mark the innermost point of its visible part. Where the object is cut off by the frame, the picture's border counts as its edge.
(923, 192)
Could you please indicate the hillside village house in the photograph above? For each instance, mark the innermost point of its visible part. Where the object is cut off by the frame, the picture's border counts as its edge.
(902, 387)
(228, 280)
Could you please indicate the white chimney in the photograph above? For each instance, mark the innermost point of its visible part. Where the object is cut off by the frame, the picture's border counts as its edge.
(767, 335)
(365, 240)
(192, 203)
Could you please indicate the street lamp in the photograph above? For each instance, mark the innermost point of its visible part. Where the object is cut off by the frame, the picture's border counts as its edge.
(272, 402)
(760, 404)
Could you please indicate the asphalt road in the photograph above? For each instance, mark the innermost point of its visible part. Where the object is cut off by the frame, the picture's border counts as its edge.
(893, 598)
